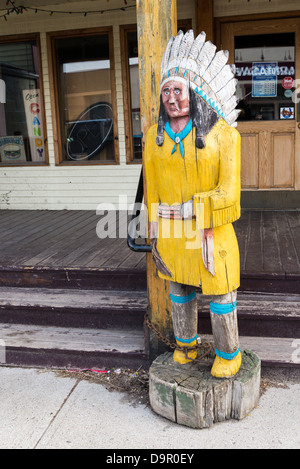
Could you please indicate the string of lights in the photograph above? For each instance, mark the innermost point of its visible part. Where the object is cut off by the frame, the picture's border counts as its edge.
(19, 9)
(12, 8)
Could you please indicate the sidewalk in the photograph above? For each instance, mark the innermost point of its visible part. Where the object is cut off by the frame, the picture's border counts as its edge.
(44, 410)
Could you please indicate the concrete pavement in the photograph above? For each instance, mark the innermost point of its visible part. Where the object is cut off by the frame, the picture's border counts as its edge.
(39, 409)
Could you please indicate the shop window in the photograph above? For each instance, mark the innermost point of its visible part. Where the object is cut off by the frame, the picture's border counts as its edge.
(265, 69)
(22, 132)
(83, 80)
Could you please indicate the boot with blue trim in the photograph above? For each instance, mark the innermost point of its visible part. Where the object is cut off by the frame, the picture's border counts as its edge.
(187, 356)
(223, 313)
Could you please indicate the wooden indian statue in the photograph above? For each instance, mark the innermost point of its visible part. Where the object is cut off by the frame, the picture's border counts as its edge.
(192, 164)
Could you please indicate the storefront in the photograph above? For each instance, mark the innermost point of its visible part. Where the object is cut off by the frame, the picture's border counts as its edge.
(70, 133)
(266, 52)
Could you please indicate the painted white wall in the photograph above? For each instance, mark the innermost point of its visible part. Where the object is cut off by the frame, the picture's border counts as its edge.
(74, 187)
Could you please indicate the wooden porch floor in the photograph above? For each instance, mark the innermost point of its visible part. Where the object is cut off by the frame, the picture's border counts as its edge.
(269, 242)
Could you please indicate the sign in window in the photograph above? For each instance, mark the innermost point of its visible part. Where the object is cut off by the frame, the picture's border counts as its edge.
(22, 138)
(265, 69)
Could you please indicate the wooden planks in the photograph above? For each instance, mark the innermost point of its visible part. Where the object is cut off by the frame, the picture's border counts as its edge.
(61, 347)
(60, 239)
(259, 315)
(269, 241)
(90, 340)
(270, 350)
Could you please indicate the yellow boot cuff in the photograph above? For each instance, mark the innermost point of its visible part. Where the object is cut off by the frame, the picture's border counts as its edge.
(182, 357)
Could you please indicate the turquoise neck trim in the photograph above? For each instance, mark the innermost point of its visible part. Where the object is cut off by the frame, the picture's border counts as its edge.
(177, 138)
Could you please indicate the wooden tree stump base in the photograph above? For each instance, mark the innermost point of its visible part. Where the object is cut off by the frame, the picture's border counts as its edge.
(189, 395)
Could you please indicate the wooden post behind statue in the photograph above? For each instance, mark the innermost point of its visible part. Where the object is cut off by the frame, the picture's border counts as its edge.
(192, 164)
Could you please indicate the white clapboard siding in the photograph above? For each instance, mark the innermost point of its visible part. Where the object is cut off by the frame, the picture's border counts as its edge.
(74, 187)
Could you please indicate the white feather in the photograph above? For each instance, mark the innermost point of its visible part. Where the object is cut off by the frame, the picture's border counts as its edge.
(186, 44)
(218, 62)
(185, 48)
(166, 57)
(185, 64)
(176, 46)
(232, 117)
(197, 45)
(223, 77)
(175, 63)
(230, 105)
(233, 68)
(205, 56)
(191, 64)
(227, 91)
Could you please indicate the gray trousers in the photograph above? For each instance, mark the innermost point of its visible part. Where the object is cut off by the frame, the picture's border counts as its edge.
(223, 313)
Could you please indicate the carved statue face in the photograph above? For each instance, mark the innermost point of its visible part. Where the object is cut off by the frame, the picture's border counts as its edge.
(175, 97)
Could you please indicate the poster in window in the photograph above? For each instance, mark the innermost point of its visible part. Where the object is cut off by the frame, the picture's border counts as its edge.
(34, 119)
(12, 150)
(287, 113)
(264, 79)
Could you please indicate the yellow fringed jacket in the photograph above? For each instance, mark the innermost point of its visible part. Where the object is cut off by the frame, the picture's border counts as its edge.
(211, 178)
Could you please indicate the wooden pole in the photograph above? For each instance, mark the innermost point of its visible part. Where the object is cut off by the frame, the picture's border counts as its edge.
(157, 22)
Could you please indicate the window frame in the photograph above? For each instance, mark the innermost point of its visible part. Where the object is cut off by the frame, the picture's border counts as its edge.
(23, 38)
(56, 98)
(124, 30)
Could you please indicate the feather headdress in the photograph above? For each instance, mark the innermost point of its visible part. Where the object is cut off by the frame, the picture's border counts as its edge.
(195, 61)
